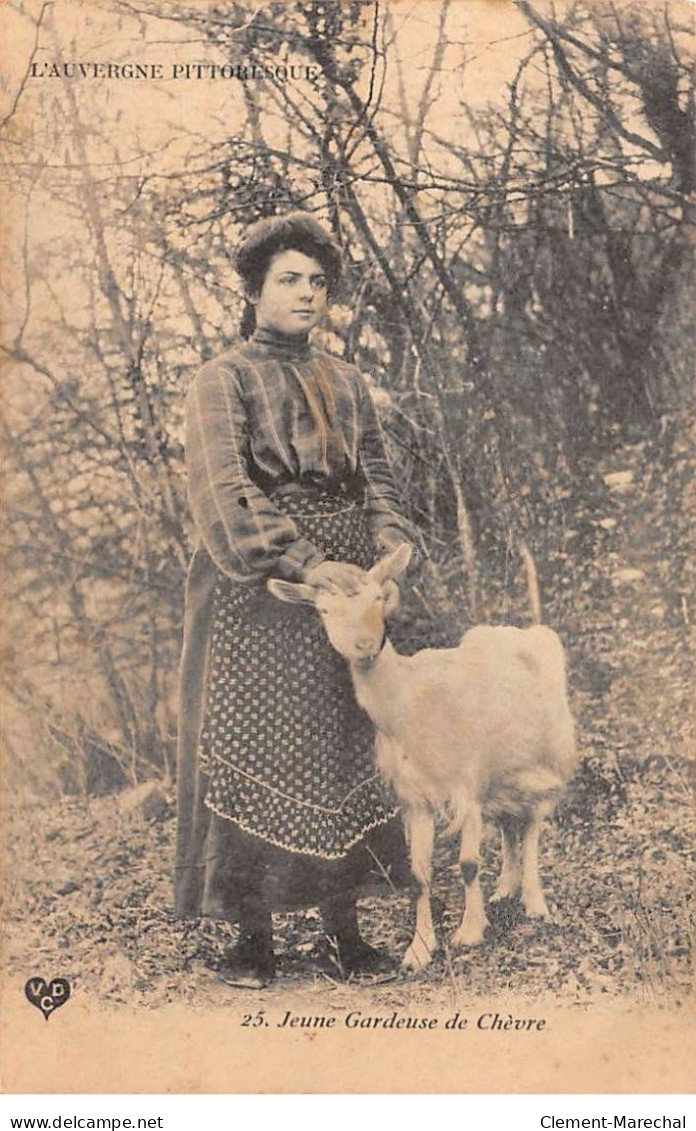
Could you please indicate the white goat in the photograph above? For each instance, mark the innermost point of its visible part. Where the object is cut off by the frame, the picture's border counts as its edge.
(481, 727)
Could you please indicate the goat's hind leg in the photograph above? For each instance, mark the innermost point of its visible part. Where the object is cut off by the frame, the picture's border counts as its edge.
(510, 879)
(474, 922)
(532, 894)
(420, 834)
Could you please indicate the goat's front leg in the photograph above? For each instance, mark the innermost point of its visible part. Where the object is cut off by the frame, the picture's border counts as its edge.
(532, 895)
(420, 834)
(510, 879)
(474, 922)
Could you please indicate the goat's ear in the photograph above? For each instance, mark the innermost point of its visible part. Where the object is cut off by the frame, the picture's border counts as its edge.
(391, 597)
(295, 593)
(394, 564)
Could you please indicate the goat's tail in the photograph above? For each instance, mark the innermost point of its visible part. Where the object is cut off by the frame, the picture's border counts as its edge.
(532, 581)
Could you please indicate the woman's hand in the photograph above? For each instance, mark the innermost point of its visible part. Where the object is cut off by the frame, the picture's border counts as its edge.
(336, 575)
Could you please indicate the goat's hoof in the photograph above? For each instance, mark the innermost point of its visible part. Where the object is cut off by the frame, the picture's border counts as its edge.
(535, 907)
(417, 957)
(502, 893)
(471, 935)
(538, 911)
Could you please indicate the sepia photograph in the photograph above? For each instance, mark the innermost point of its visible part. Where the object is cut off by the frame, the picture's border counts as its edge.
(348, 572)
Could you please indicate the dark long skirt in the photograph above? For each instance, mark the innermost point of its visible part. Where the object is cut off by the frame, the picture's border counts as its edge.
(286, 755)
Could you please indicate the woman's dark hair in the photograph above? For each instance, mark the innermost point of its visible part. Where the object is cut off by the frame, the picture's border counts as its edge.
(296, 231)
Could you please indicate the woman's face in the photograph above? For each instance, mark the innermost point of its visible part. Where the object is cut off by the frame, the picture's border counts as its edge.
(293, 297)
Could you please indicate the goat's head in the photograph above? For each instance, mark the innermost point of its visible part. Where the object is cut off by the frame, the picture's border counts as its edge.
(354, 619)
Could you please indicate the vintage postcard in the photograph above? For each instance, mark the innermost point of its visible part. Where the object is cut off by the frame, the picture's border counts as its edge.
(348, 584)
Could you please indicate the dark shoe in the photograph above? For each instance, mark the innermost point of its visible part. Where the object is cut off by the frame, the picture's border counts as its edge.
(251, 964)
(347, 956)
(355, 959)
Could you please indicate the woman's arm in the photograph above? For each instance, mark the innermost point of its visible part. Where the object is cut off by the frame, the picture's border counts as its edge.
(245, 534)
(388, 525)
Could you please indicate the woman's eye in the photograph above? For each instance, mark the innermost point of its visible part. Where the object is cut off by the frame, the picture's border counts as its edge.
(319, 283)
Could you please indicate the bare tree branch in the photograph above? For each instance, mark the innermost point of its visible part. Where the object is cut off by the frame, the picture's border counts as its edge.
(20, 90)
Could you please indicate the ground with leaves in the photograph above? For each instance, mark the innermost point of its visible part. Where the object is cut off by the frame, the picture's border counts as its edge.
(90, 889)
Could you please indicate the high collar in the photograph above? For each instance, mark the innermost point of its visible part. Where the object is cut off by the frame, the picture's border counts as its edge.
(275, 344)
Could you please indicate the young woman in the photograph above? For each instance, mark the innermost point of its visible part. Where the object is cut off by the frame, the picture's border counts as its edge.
(280, 804)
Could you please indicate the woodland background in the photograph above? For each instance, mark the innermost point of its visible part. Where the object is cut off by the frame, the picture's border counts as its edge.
(513, 189)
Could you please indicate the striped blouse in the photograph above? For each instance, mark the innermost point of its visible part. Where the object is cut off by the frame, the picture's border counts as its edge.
(271, 411)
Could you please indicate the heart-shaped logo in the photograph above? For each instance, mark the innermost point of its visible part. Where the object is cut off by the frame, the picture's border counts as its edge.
(47, 996)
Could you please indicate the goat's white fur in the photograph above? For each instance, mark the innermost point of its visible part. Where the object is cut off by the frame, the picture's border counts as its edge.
(482, 727)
